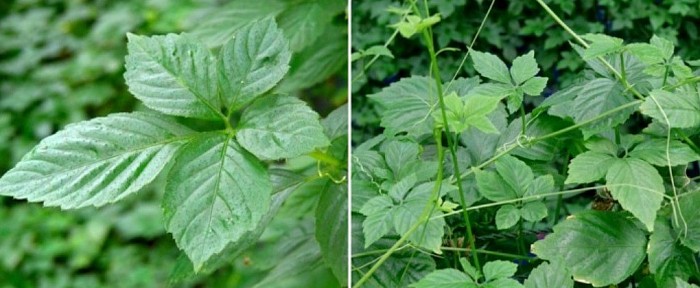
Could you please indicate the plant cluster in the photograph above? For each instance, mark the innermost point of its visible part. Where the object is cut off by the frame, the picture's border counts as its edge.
(469, 187)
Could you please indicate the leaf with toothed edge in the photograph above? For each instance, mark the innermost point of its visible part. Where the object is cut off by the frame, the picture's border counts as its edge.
(96, 162)
(216, 193)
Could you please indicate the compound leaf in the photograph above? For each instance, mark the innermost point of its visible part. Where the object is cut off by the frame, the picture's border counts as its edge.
(252, 62)
(216, 194)
(689, 221)
(524, 67)
(499, 269)
(174, 75)
(667, 257)
(96, 162)
(638, 187)
(408, 105)
(590, 240)
(601, 45)
(332, 228)
(278, 127)
(597, 97)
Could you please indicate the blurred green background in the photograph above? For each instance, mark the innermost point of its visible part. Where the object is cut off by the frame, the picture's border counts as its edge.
(62, 62)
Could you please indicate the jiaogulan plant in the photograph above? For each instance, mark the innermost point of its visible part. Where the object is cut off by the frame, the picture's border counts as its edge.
(469, 187)
(232, 142)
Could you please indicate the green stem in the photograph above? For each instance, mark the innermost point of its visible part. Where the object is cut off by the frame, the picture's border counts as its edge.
(521, 240)
(665, 76)
(487, 252)
(684, 82)
(688, 141)
(325, 158)
(522, 117)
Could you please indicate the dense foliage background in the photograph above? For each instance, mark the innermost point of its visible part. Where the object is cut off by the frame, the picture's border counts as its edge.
(62, 62)
(512, 29)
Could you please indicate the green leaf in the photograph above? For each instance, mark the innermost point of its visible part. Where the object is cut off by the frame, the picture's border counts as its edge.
(407, 106)
(668, 259)
(511, 182)
(406, 214)
(601, 45)
(524, 67)
(589, 167)
(507, 216)
(489, 66)
(476, 110)
(535, 86)
(534, 211)
(252, 62)
(303, 258)
(597, 97)
(590, 240)
(665, 46)
(96, 162)
(682, 109)
(638, 187)
(332, 228)
(654, 152)
(683, 284)
(335, 125)
(277, 127)
(503, 283)
(499, 269)
(647, 53)
(689, 220)
(400, 155)
(216, 194)
(379, 212)
(174, 75)
(380, 50)
(445, 278)
(549, 275)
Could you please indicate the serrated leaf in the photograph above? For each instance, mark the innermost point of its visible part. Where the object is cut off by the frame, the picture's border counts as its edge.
(599, 96)
(668, 259)
(406, 214)
(380, 50)
(590, 240)
(524, 67)
(638, 187)
(647, 53)
(688, 223)
(476, 110)
(549, 275)
(174, 75)
(277, 127)
(601, 45)
(665, 46)
(503, 283)
(216, 194)
(511, 182)
(589, 167)
(408, 105)
(252, 62)
(654, 152)
(96, 162)
(335, 125)
(535, 86)
(507, 216)
(332, 228)
(499, 269)
(490, 66)
(445, 278)
(534, 211)
(682, 109)
(683, 284)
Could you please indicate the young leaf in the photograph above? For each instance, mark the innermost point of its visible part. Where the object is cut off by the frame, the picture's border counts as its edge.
(638, 187)
(654, 152)
(590, 240)
(601, 45)
(489, 66)
(96, 162)
(681, 108)
(216, 194)
(499, 269)
(252, 62)
(589, 167)
(476, 110)
(507, 216)
(524, 67)
(549, 275)
(445, 278)
(277, 127)
(174, 75)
